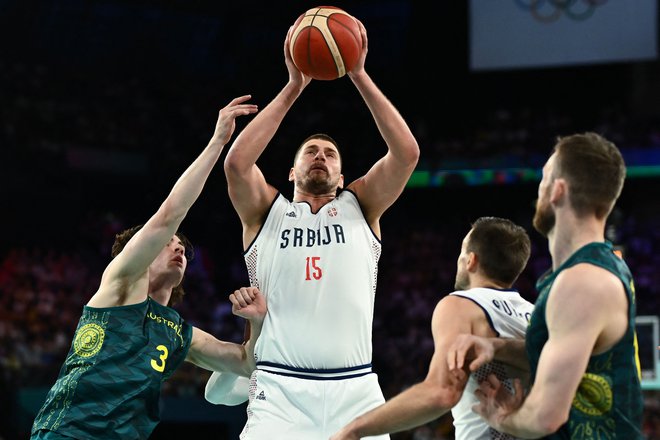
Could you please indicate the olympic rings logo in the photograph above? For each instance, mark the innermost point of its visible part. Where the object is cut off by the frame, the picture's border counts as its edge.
(548, 11)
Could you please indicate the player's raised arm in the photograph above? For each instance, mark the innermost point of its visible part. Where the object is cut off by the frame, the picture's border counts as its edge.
(387, 178)
(141, 250)
(250, 194)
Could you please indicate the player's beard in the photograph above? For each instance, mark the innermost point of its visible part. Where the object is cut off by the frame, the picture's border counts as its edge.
(462, 280)
(544, 217)
(318, 183)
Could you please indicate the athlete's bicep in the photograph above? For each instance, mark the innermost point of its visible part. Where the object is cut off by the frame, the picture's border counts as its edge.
(452, 316)
(576, 315)
(250, 195)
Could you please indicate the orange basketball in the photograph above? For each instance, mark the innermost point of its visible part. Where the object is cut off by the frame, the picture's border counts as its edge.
(325, 43)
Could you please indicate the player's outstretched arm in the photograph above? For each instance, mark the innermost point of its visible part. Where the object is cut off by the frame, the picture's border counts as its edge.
(248, 190)
(385, 181)
(475, 351)
(127, 267)
(210, 353)
(436, 395)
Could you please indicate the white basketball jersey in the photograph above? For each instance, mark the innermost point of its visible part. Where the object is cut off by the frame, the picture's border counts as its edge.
(508, 314)
(318, 273)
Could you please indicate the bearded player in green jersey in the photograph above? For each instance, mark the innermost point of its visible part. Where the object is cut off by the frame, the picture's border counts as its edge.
(581, 343)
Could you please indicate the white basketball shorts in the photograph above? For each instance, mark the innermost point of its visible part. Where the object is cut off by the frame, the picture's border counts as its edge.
(290, 408)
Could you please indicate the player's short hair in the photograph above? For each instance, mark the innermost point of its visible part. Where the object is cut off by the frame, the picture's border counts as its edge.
(595, 172)
(124, 236)
(502, 248)
(321, 136)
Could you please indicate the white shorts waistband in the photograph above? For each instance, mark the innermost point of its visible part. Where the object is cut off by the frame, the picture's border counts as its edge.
(314, 374)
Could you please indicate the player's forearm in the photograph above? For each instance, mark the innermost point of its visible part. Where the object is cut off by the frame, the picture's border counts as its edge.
(221, 356)
(511, 351)
(532, 420)
(253, 139)
(391, 125)
(189, 186)
(416, 406)
(239, 359)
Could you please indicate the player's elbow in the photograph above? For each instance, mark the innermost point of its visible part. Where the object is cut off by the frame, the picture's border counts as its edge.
(443, 398)
(413, 152)
(409, 155)
(448, 398)
(551, 420)
(231, 162)
(235, 164)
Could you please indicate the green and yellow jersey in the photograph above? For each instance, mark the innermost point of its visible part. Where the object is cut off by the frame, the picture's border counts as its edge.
(109, 386)
(608, 404)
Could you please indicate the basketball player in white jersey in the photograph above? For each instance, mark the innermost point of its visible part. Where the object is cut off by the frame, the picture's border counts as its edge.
(493, 255)
(315, 258)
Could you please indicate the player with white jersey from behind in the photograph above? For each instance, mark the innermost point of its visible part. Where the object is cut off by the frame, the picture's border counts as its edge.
(493, 255)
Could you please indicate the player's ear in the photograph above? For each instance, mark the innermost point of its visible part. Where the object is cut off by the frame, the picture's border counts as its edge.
(341, 181)
(471, 262)
(559, 190)
(291, 175)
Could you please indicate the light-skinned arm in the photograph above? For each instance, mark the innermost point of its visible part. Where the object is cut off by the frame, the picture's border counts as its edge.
(439, 392)
(208, 352)
(579, 325)
(118, 283)
(249, 192)
(478, 350)
(383, 183)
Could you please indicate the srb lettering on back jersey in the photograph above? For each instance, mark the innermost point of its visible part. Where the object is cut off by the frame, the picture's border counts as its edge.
(299, 237)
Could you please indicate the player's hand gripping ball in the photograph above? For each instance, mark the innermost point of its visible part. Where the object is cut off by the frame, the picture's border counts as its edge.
(325, 43)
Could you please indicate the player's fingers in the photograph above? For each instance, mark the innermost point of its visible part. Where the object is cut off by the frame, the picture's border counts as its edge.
(240, 300)
(458, 377)
(247, 295)
(251, 291)
(287, 40)
(517, 387)
(239, 100)
(477, 362)
(456, 354)
(241, 109)
(480, 395)
(493, 381)
(451, 359)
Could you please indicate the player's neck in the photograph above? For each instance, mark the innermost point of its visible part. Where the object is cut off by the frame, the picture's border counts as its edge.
(161, 296)
(160, 289)
(570, 234)
(316, 201)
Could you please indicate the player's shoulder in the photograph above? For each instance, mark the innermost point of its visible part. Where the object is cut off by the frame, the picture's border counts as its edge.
(459, 303)
(588, 279)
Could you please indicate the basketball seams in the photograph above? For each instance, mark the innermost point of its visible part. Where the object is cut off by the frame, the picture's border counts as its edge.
(356, 38)
(325, 31)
